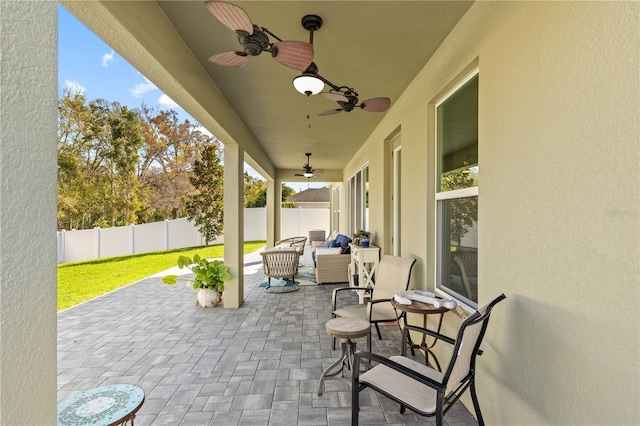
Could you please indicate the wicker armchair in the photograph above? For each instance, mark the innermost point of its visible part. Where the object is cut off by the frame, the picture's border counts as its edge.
(298, 242)
(332, 268)
(281, 263)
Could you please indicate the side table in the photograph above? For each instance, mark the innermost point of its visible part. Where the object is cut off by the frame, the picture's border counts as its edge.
(108, 405)
(364, 263)
(424, 309)
(346, 329)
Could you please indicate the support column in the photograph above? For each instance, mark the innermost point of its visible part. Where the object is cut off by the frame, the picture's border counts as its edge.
(28, 165)
(234, 224)
(277, 213)
(271, 215)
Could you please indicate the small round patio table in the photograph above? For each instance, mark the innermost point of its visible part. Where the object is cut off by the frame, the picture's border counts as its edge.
(424, 309)
(344, 329)
(108, 405)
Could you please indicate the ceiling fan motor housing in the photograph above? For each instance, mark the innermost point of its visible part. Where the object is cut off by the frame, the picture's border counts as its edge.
(311, 22)
(253, 44)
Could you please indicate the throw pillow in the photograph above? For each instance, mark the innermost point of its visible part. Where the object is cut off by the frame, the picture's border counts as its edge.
(329, 243)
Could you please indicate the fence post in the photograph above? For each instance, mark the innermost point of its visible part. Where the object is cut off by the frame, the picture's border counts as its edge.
(61, 236)
(166, 234)
(97, 228)
(133, 238)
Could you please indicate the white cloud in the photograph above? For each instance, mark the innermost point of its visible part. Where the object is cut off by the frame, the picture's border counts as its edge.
(74, 87)
(106, 58)
(142, 88)
(167, 101)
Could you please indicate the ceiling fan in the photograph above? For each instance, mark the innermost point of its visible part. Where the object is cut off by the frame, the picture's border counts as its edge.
(347, 99)
(255, 40)
(307, 170)
(310, 82)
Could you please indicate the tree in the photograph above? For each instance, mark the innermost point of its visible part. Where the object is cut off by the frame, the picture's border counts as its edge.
(118, 166)
(205, 207)
(255, 193)
(166, 161)
(98, 146)
(464, 211)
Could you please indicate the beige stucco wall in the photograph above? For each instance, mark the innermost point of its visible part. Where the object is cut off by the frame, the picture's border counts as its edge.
(28, 114)
(559, 133)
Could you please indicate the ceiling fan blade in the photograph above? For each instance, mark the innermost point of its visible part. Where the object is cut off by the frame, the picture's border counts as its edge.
(232, 16)
(318, 171)
(293, 54)
(230, 59)
(376, 104)
(331, 112)
(338, 97)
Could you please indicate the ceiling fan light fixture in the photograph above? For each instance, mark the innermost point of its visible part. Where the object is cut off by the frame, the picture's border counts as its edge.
(308, 175)
(308, 84)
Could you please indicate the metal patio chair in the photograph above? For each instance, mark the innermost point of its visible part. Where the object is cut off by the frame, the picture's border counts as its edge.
(420, 388)
(392, 276)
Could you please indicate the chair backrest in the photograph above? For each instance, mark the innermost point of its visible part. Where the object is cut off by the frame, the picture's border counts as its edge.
(392, 276)
(468, 342)
(299, 242)
(280, 263)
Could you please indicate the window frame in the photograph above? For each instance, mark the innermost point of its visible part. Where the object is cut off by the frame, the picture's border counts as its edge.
(357, 187)
(441, 196)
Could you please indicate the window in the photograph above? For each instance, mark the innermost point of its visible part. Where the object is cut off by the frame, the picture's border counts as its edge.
(358, 199)
(457, 192)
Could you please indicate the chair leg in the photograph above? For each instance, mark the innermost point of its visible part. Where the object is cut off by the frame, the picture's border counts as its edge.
(355, 404)
(476, 404)
(378, 330)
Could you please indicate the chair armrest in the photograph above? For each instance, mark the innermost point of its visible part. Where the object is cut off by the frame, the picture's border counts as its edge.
(334, 295)
(355, 371)
(431, 333)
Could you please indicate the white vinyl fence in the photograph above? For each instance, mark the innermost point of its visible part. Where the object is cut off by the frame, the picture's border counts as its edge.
(96, 243)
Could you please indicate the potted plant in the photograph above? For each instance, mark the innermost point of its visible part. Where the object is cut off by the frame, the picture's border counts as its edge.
(208, 280)
(361, 235)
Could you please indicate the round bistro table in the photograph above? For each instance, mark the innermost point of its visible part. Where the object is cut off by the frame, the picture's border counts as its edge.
(424, 309)
(344, 329)
(108, 405)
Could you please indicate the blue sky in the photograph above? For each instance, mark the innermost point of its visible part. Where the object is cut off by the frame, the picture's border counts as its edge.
(88, 64)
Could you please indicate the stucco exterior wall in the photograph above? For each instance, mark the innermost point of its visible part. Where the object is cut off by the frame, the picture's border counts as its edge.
(28, 120)
(559, 132)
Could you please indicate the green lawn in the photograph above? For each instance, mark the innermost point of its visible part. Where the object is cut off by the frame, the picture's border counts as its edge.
(81, 281)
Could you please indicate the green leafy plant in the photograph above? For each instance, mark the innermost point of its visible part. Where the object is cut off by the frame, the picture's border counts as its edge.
(207, 274)
(360, 235)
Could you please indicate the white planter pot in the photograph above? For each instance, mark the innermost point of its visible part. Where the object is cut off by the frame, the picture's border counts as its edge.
(209, 298)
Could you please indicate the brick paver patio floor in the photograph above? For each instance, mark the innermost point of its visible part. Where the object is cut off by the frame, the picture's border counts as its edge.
(256, 365)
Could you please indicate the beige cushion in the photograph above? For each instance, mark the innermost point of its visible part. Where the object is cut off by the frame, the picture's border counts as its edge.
(410, 391)
(327, 250)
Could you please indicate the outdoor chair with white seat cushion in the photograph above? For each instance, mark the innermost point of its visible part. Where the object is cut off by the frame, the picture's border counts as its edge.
(392, 276)
(418, 387)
